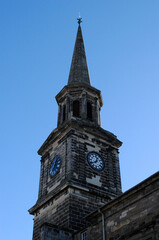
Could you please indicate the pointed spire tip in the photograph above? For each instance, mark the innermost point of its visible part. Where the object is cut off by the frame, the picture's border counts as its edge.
(79, 69)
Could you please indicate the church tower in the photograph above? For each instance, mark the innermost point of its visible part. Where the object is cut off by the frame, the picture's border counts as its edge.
(79, 159)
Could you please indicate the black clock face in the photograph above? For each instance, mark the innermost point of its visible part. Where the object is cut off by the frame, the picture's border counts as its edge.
(95, 161)
(55, 165)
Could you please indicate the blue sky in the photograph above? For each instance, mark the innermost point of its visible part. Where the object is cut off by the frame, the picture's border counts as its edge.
(36, 45)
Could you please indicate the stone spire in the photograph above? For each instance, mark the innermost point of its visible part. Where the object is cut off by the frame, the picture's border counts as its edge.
(79, 70)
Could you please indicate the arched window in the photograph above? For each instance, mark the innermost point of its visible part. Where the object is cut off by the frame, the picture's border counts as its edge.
(64, 112)
(76, 111)
(89, 111)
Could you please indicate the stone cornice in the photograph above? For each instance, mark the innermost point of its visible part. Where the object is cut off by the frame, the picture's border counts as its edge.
(79, 87)
(97, 131)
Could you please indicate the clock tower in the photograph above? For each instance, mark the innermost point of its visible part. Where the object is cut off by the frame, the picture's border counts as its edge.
(79, 159)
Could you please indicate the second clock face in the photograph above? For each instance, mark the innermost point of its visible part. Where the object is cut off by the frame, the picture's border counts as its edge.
(95, 161)
(55, 165)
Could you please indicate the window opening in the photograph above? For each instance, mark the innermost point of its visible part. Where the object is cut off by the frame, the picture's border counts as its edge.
(84, 235)
(89, 111)
(64, 113)
(76, 112)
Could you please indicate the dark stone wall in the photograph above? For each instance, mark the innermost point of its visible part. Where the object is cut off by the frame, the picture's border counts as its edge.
(54, 212)
(73, 148)
(82, 204)
(52, 232)
(50, 183)
(133, 216)
(68, 210)
(106, 182)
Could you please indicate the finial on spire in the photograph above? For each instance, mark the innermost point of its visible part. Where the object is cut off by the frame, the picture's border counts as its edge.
(79, 19)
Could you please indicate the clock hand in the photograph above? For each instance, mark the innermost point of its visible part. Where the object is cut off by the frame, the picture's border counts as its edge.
(53, 164)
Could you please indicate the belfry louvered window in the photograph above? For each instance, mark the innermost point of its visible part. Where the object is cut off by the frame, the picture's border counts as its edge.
(64, 112)
(89, 111)
(76, 108)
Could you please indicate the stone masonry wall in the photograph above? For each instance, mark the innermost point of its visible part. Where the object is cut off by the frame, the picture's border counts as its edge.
(54, 212)
(52, 232)
(106, 182)
(48, 183)
(68, 210)
(76, 190)
(133, 216)
(82, 204)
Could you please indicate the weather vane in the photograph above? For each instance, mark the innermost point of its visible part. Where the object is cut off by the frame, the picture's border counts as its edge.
(79, 19)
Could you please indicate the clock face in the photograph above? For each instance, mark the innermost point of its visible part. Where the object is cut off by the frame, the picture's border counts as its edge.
(55, 165)
(95, 161)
